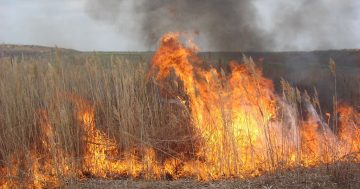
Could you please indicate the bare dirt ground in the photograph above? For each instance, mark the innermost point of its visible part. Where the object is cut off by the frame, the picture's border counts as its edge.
(334, 176)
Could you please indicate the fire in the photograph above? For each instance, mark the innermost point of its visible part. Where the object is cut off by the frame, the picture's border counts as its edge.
(230, 112)
(349, 130)
(101, 151)
(237, 117)
(243, 128)
(45, 163)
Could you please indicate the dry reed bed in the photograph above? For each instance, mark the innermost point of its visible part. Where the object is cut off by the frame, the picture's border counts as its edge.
(129, 108)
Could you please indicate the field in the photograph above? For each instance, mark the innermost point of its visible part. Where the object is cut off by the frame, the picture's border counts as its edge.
(176, 119)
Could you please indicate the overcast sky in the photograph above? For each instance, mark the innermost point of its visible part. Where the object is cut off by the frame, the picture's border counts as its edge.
(65, 23)
(62, 23)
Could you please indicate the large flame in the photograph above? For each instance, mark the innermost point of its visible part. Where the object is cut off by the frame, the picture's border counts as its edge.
(238, 117)
(244, 129)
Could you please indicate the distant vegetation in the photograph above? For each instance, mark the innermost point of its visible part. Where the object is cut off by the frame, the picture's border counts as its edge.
(306, 70)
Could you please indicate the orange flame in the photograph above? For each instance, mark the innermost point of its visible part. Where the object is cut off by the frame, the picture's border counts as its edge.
(349, 130)
(45, 163)
(236, 115)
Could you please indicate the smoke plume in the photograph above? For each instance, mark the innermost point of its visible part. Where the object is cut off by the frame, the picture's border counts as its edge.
(310, 25)
(233, 25)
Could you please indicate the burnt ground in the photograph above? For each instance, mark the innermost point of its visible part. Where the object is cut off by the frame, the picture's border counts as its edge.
(334, 176)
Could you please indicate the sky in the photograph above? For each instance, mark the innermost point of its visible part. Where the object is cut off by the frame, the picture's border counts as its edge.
(67, 23)
(62, 23)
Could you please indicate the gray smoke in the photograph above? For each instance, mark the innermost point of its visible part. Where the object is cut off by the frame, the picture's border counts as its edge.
(224, 25)
(319, 24)
(233, 25)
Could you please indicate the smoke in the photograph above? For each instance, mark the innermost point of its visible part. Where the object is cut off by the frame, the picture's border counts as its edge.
(233, 25)
(223, 25)
(310, 25)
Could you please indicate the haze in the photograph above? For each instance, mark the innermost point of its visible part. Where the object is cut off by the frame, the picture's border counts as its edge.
(124, 25)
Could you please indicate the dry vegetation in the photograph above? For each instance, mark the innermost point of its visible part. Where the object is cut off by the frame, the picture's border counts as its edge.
(134, 112)
(129, 110)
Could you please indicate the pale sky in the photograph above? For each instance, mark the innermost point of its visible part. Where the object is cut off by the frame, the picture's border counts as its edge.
(65, 23)
(62, 23)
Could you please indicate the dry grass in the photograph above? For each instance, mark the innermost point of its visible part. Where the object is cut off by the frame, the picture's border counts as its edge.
(129, 109)
(127, 105)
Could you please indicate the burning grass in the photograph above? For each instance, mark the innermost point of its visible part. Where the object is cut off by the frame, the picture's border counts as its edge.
(177, 118)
